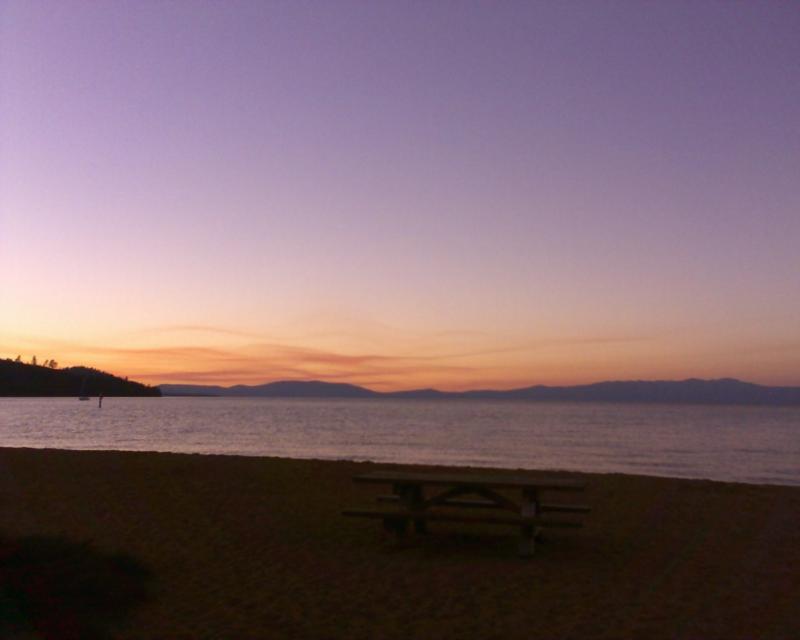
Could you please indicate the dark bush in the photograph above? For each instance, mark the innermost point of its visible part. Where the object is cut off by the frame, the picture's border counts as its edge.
(60, 589)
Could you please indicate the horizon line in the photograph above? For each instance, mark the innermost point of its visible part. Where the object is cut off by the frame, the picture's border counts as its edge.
(477, 389)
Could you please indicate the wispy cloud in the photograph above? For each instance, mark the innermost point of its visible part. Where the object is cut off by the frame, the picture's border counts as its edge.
(456, 361)
(263, 362)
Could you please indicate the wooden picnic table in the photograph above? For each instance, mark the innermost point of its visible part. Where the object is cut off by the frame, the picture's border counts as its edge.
(482, 491)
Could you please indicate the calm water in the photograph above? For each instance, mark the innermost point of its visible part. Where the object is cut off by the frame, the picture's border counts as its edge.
(750, 444)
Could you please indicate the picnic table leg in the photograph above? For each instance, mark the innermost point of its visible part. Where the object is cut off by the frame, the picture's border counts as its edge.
(411, 496)
(529, 532)
(396, 524)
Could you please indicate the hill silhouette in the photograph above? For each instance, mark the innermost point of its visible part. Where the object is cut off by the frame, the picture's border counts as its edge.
(691, 391)
(21, 379)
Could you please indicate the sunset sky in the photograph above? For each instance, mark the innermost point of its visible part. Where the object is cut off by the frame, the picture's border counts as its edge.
(402, 194)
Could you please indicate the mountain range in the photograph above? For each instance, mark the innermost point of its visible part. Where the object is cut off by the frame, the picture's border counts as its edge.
(691, 391)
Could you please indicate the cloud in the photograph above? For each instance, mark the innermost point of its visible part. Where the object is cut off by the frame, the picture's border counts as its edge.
(465, 361)
(260, 362)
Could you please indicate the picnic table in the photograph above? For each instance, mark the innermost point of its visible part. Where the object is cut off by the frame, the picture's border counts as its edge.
(422, 497)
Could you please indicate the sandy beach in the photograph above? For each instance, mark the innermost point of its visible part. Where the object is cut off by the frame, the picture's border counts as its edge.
(241, 547)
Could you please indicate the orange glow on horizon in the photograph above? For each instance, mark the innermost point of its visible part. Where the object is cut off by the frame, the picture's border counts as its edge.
(454, 362)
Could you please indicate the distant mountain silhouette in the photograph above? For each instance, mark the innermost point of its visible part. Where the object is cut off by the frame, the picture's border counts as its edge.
(692, 391)
(283, 389)
(21, 379)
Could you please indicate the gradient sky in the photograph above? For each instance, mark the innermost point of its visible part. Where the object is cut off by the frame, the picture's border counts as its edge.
(402, 194)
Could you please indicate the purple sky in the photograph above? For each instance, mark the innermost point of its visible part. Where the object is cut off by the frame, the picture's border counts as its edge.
(449, 193)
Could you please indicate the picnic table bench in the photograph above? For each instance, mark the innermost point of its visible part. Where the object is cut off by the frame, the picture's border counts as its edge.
(463, 493)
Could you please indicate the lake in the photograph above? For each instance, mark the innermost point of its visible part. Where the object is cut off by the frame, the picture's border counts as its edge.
(743, 444)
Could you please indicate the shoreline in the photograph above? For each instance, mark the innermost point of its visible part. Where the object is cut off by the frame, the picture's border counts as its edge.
(421, 465)
(255, 547)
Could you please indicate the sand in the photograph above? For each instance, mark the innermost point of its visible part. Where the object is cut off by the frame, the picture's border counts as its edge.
(256, 548)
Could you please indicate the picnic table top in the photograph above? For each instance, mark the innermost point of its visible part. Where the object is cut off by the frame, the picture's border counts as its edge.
(499, 481)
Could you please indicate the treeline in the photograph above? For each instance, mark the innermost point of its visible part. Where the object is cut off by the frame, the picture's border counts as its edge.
(50, 364)
(18, 378)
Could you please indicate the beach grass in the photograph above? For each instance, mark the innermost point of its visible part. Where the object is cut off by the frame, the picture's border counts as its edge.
(245, 547)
